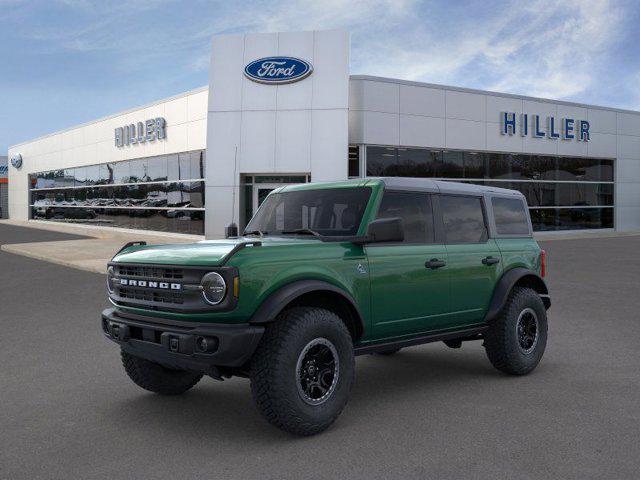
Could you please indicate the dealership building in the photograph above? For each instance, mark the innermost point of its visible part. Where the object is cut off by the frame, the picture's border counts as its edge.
(4, 187)
(282, 108)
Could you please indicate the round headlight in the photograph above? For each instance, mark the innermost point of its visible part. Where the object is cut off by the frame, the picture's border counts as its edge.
(214, 288)
(110, 274)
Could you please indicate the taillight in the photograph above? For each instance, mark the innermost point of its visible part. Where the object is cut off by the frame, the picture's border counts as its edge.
(543, 263)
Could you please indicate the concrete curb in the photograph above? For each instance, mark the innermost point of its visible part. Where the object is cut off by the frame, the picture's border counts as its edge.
(93, 266)
(546, 237)
(91, 253)
(94, 231)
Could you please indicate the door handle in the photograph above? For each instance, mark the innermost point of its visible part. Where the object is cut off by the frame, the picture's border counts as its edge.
(490, 261)
(434, 263)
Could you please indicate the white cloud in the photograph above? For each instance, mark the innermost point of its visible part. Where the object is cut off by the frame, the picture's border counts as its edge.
(558, 55)
(634, 101)
(540, 48)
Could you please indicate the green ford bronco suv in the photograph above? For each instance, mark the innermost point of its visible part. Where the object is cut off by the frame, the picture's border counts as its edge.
(325, 272)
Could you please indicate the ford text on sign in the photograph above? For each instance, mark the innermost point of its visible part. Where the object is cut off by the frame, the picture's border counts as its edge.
(278, 70)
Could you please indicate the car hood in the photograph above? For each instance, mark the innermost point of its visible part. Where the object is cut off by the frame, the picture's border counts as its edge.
(204, 253)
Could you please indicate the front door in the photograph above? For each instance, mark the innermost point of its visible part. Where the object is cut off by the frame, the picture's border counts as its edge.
(409, 280)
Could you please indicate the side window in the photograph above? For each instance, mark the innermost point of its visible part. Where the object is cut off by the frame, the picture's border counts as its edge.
(511, 218)
(415, 211)
(463, 219)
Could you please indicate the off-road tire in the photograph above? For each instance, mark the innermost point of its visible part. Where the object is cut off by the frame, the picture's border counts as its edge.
(501, 340)
(274, 374)
(391, 351)
(157, 378)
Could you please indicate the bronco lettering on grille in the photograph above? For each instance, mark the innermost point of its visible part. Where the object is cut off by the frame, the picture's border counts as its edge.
(149, 284)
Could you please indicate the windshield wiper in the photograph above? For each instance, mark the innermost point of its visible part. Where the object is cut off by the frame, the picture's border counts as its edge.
(302, 231)
(260, 233)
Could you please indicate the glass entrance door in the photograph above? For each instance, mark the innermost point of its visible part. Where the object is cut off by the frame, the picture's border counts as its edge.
(260, 192)
(255, 189)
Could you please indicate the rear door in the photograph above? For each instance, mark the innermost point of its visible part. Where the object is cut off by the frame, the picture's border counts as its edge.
(474, 262)
(408, 296)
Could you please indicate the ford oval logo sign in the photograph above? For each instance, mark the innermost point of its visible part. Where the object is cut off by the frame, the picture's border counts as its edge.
(16, 160)
(278, 70)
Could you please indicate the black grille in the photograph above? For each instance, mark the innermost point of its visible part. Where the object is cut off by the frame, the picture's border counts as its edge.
(167, 288)
(139, 271)
(154, 296)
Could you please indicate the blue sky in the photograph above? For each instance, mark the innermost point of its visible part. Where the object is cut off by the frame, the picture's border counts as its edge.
(70, 61)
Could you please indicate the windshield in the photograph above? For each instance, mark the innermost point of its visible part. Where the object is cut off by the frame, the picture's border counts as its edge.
(327, 212)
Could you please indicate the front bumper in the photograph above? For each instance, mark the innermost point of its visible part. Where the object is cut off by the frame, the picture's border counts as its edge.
(199, 347)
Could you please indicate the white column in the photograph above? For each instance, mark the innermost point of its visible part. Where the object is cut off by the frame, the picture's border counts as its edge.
(256, 128)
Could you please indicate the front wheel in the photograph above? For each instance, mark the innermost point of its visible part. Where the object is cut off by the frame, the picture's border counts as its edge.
(516, 340)
(303, 370)
(158, 378)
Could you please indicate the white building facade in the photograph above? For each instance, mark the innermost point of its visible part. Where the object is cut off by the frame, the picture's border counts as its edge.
(282, 108)
(4, 187)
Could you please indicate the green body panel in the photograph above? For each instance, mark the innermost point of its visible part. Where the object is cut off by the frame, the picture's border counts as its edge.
(265, 269)
(406, 297)
(196, 254)
(472, 282)
(519, 252)
(393, 290)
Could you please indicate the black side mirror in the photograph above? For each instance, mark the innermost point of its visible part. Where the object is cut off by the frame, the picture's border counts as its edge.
(385, 230)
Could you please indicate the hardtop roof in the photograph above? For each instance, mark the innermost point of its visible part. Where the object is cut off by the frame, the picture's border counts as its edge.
(409, 183)
(445, 186)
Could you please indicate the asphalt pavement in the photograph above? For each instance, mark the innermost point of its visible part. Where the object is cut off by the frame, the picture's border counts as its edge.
(67, 409)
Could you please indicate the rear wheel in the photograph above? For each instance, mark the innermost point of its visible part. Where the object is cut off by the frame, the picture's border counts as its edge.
(516, 340)
(157, 378)
(303, 370)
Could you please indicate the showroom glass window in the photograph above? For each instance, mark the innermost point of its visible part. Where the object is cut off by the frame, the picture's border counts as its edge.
(164, 193)
(562, 193)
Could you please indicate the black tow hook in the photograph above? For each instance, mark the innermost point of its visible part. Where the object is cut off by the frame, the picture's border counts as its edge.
(118, 331)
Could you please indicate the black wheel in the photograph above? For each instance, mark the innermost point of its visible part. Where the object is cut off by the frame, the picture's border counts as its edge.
(516, 340)
(391, 351)
(455, 343)
(303, 370)
(157, 378)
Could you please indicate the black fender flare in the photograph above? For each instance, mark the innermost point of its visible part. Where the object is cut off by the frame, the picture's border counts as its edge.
(276, 301)
(506, 284)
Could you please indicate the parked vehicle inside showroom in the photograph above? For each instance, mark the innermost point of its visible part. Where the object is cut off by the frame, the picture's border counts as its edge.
(326, 272)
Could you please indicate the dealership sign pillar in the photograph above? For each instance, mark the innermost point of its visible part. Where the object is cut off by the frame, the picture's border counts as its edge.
(278, 105)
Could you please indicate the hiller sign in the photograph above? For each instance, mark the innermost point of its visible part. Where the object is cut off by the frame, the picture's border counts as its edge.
(147, 131)
(525, 124)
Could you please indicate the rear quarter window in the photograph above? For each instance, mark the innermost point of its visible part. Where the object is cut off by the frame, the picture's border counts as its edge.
(510, 216)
